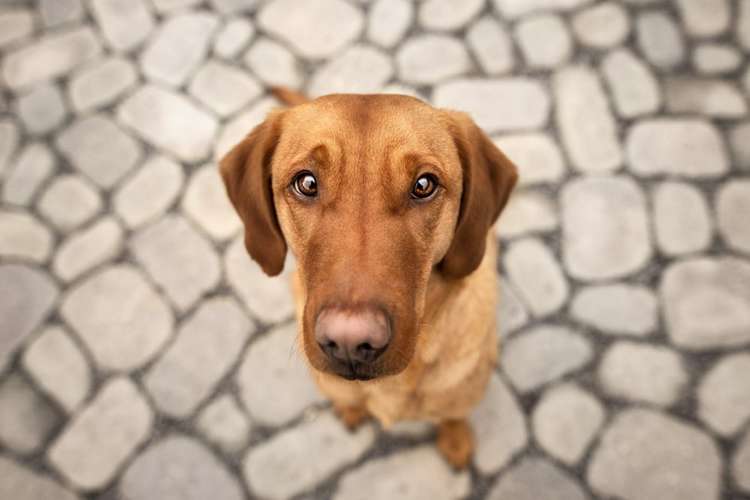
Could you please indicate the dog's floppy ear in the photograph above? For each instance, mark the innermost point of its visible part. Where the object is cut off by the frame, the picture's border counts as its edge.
(488, 179)
(246, 171)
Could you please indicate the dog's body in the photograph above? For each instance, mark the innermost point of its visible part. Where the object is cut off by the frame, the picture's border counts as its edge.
(387, 205)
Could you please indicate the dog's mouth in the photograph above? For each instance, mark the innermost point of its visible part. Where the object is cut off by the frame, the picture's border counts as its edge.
(353, 371)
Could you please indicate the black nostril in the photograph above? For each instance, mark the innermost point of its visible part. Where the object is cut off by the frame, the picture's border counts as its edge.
(366, 353)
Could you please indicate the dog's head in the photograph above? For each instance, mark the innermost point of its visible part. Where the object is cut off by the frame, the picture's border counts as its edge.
(372, 194)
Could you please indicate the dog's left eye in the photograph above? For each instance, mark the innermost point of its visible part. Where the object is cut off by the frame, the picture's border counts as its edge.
(305, 184)
(424, 187)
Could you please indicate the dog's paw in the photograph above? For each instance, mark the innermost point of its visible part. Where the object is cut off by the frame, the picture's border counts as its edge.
(352, 416)
(455, 442)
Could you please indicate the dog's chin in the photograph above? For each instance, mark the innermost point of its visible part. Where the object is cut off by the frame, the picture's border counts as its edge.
(355, 372)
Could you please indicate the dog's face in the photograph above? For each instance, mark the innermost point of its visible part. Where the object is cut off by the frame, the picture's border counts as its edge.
(371, 194)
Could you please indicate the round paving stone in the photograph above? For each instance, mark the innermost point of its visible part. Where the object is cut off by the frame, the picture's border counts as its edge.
(659, 39)
(225, 424)
(42, 109)
(27, 296)
(704, 18)
(499, 428)
(233, 37)
(27, 419)
(274, 380)
(149, 193)
(739, 140)
(429, 58)
(360, 70)
(642, 373)
(711, 97)
(539, 156)
(268, 298)
(733, 207)
(179, 46)
(707, 303)
(205, 201)
(178, 468)
(542, 354)
(101, 84)
(9, 136)
(680, 147)
(24, 237)
(99, 440)
(601, 26)
(273, 64)
(724, 394)
(497, 105)
(21, 483)
(178, 258)
(223, 88)
(513, 9)
(635, 90)
(211, 338)
(415, 474)
(448, 15)
(125, 24)
(544, 40)
(536, 478)
(565, 422)
(159, 116)
(605, 228)
(527, 212)
(86, 249)
(281, 468)
(31, 169)
(69, 202)
(537, 276)
(492, 45)
(309, 31)
(100, 149)
(588, 129)
(388, 21)
(119, 317)
(646, 455)
(716, 58)
(59, 367)
(682, 222)
(617, 309)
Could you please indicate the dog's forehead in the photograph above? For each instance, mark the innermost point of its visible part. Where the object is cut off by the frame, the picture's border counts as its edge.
(358, 116)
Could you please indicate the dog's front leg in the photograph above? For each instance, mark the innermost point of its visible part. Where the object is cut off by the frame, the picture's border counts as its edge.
(455, 440)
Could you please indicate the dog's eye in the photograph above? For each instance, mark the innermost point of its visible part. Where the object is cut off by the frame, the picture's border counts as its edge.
(305, 184)
(424, 187)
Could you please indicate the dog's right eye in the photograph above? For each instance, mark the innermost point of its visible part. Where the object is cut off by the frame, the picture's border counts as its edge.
(305, 184)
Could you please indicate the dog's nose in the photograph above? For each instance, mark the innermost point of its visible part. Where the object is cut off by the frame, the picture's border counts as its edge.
(350, 336)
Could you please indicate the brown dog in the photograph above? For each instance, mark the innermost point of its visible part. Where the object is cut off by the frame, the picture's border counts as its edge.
(387, 204)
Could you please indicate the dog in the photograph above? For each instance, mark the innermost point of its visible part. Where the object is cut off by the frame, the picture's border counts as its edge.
(387, 203)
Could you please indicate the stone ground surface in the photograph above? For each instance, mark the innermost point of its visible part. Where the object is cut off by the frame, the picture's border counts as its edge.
(143, 356)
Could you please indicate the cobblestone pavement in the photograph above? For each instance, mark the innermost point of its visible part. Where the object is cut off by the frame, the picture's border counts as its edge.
(143, 356)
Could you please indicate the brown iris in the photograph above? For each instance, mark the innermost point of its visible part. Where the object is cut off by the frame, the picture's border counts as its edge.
(305, 184)
(424, 187)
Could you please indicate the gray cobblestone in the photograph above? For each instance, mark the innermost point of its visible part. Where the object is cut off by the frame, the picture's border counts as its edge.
(431, 58)
(42, 109)
(644, 443)
(360, 69)
(723, 399)
(533, 478)
(69, 202)
(99, 439)
(23, 237)
(536, 275)
(32, 167)
(101, 83)
(168, 466)
(118, 316)
(617, 309)
(732, 207)
(55, 363)
(88, 248)
(178, 258)
(281, 468)
(125, 24)
(27, 419)
(492, 45)
(602, 25)
(544, 40)
(659, 39)
(21, 483)
(682, 221)
(212, 339)
(100, 149)
(388, 21)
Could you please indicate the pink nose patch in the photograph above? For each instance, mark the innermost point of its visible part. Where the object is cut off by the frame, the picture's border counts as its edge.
(352, 336)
